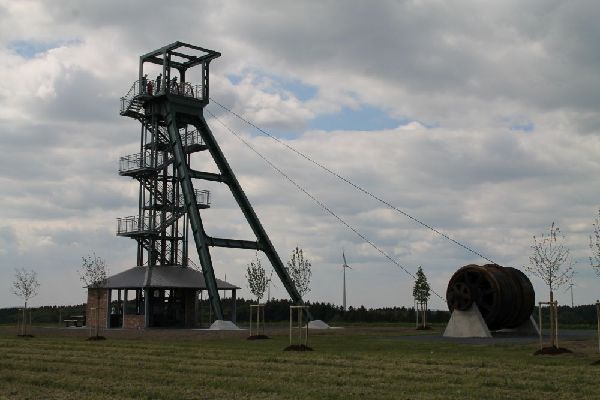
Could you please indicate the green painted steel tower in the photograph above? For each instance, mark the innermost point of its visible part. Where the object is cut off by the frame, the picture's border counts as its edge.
(170, 110)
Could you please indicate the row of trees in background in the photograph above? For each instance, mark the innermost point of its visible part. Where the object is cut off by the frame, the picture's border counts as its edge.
(278, 310)
(93, 273)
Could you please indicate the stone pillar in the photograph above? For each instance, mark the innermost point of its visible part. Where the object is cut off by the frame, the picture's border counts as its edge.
(96, 307)
(124, 309)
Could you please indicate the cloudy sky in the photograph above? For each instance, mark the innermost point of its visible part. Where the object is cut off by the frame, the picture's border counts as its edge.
(480, 118)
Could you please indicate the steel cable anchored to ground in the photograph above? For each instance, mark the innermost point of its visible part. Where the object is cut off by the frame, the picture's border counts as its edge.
(316, 200)
(356, 186)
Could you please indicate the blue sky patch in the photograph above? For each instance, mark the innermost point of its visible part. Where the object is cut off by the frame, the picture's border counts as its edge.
(235, 79)
(365, 118)
(526, 126)
(30, 48)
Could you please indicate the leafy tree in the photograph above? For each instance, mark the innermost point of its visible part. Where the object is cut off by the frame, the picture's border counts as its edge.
(421, 290)
(421, 293)
(257, 279)
(26, 287)
(595, 245)
(93, 274)
(299, 270)
(552, 263)
(551, 260)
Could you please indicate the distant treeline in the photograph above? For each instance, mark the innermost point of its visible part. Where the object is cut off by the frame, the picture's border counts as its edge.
(41, 315)
(278, 310)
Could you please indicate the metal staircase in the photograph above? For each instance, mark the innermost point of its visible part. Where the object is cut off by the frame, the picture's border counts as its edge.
(173, 128)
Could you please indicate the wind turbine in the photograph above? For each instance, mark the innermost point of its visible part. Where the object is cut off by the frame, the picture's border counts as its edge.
(570, 286)
(344, 269)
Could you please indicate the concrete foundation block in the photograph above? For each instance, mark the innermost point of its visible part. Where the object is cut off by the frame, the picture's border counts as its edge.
(221, 325)
(465, 324)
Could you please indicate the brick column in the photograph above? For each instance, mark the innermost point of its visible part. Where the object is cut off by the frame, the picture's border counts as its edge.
(92, 303)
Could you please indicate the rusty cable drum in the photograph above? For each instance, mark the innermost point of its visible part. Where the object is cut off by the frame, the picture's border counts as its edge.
(504, 295)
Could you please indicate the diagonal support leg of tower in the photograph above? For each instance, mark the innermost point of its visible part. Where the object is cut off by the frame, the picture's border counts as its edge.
(187, 188)
(240, 197)
(228, 177)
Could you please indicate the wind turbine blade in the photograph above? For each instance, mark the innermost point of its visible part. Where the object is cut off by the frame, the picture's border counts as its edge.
(344, 257)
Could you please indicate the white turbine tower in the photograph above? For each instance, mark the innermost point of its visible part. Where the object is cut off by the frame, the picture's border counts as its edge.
(570, 287)
(344, 269)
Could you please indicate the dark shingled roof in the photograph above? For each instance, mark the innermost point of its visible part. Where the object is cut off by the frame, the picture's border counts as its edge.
(162, 276)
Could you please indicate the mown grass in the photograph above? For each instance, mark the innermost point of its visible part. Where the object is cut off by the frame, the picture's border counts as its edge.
(343, 366)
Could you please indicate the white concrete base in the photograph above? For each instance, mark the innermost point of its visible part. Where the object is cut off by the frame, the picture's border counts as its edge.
(317, 324)
(221, 325)
(465, 324)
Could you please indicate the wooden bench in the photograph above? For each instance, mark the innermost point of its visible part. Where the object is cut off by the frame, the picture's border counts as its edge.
(75, 320)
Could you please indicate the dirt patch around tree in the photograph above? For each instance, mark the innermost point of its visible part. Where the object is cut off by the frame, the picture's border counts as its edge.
(95, 338)
(298, 347)
(258, 337)
(552, 351)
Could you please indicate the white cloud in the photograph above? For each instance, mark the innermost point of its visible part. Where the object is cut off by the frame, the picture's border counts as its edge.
(472, 79)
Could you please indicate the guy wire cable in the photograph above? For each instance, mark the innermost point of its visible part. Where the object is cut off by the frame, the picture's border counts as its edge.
(316, 200)
(356, 186)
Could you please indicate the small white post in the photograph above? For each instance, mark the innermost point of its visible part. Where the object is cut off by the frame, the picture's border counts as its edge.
(541, 327)
(556, 322)
(263, 319)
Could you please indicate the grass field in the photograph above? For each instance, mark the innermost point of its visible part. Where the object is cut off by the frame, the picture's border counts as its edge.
(354, 363)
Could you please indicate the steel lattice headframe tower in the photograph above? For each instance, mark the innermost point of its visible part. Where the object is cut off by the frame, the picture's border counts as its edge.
(173, 127)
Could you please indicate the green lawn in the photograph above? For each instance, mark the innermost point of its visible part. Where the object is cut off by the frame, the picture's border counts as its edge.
(367, 364)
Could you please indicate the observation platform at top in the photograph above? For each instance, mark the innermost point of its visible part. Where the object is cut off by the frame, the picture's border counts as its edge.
(175, 59)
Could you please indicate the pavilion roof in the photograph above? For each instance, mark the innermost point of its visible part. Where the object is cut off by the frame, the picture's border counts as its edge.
(162, 277)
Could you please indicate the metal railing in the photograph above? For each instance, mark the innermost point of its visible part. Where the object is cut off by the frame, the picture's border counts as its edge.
(139, 161)
(157, 87)
(128, 100)
(188, 261)
(150, 224)
(202, 197)
(135, 224)
(191, 138)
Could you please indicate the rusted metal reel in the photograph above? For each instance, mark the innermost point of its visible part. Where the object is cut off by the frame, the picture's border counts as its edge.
(504, 295)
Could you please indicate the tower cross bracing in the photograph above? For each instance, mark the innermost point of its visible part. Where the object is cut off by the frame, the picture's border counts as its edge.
(173, 128)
